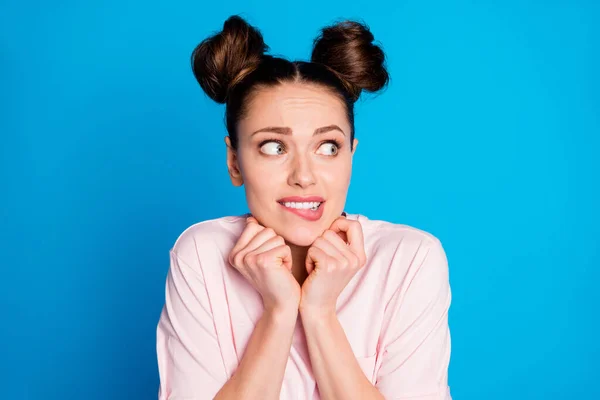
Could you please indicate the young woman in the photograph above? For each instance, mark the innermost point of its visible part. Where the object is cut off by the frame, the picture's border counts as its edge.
(297, 299)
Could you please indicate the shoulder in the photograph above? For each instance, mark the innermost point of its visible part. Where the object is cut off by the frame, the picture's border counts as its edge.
(405, 250)
(208, 237)
(380, 232)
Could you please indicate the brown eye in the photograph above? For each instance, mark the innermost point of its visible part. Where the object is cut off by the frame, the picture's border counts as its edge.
(328, 149)
(272, 148)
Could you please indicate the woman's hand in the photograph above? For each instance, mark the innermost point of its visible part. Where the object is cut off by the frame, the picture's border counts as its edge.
(331, 262)
(264, 259)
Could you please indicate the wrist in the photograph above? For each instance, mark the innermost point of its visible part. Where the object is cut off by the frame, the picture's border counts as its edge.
(317, 314)
(281, 314)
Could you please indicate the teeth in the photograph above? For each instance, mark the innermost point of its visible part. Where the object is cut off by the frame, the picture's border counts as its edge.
(305, 205)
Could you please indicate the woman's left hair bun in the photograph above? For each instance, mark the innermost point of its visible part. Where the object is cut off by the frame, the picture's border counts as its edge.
(221, 61)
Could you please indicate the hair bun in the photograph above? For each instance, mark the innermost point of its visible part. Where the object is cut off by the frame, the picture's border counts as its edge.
(347, 48)
(224, 59)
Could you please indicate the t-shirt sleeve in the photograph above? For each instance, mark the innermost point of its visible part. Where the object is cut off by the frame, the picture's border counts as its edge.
(415, 336)
(189, 358)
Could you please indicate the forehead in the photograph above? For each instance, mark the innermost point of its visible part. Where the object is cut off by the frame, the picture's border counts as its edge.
(300, 106)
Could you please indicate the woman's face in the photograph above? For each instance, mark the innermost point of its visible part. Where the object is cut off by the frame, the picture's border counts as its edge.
(294, 159)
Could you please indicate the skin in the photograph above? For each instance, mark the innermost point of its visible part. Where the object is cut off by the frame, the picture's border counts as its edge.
(325, 254)
(306, 167)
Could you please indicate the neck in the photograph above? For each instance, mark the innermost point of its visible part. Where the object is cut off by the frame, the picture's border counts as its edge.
(298, 262)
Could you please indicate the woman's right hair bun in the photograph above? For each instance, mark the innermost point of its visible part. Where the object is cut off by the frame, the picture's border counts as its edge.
(224, 59)
(347, 48)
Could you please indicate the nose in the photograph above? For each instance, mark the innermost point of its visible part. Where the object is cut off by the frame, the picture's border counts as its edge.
(301, 174)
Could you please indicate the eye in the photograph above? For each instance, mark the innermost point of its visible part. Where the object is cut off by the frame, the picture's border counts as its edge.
(329, 148)
(272, 148)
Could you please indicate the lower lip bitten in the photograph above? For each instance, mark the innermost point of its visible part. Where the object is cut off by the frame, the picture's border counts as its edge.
(311, 211)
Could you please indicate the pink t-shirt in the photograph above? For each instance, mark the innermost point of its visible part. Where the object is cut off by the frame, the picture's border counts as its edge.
(394, 313)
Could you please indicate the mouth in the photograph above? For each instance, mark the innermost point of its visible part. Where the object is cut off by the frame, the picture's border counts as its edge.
(309, 208)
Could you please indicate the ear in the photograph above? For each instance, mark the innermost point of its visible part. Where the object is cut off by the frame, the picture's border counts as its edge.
(233, 166)
(354, 145)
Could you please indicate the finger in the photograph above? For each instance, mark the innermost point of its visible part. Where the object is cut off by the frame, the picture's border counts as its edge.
(341, 233)
(314, 257)
(282, 254)
(249, 232)
(270, 244)
(259, 239)
(339, 243)
(329, 248)
(335, 239)
(338, 249)
(344, 248)
(354, 233)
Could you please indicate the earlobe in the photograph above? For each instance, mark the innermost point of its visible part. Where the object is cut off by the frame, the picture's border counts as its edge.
(236, 180)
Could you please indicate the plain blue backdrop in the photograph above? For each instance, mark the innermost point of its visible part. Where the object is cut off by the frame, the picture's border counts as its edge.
(487, 137)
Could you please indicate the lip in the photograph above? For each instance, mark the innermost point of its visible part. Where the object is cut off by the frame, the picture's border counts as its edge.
(301, 199)
(306, 214)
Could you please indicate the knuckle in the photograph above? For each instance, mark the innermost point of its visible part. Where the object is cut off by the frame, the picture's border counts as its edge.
(249, 259)
(345, 263)
(238, 259)
(269, 231)
(331, 262)
(261, 260)
(329, 234)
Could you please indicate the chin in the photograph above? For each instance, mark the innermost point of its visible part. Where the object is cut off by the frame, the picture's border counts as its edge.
(300, 236)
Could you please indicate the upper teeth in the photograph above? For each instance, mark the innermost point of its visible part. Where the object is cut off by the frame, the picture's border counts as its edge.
(306, 205)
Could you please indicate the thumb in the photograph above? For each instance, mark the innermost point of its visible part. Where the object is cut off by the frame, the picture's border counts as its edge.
(287, 261)
(310, 262)
(284, 254)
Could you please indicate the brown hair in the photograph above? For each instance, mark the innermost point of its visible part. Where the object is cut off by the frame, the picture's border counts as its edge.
(232, 65)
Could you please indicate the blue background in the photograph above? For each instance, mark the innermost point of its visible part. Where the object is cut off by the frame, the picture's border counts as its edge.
(487, 137)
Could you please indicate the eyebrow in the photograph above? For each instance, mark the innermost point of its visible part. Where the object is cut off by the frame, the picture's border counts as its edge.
(288, 131)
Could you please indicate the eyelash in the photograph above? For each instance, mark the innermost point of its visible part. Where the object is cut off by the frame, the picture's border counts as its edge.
(332, 141)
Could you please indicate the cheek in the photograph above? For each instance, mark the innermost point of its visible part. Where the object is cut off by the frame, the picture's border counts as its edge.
(259, 173)
(262, 185)
(337, 178)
